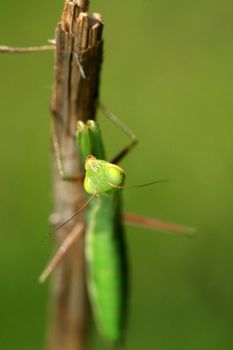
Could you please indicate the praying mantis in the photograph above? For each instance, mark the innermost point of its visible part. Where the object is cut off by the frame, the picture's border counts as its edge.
(105, 251)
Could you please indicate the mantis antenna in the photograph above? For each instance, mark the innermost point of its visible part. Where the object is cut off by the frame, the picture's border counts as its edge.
(141, 185)
(75, 214)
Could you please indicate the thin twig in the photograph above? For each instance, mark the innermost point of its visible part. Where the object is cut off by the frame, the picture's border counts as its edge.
(9, 49)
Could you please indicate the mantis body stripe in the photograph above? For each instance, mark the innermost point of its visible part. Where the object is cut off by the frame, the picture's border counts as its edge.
(88, 245)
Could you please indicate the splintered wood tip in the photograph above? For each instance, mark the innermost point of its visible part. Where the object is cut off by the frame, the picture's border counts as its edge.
(97, 16)
(84, 4)
(87, 29)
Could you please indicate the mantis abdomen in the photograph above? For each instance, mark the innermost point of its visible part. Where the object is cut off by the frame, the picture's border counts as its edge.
(106, 265)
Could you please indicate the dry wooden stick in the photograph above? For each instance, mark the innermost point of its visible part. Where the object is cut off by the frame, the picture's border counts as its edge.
(78, 56)
(78, 49)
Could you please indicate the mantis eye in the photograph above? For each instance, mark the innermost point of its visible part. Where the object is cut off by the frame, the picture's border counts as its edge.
(89, 186)
(115, 175)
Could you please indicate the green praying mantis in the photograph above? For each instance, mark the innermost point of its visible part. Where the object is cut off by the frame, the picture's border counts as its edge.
(105, 251)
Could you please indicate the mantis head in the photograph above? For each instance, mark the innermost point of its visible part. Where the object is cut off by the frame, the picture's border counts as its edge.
(102, 176)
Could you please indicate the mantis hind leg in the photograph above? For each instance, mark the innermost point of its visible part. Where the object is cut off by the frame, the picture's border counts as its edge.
(76, 233)
(133, 138)
(157, 224)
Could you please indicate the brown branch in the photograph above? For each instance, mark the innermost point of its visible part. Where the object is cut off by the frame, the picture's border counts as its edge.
(74, 98)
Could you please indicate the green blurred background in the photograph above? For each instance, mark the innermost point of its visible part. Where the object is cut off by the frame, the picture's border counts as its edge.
(168, 73)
